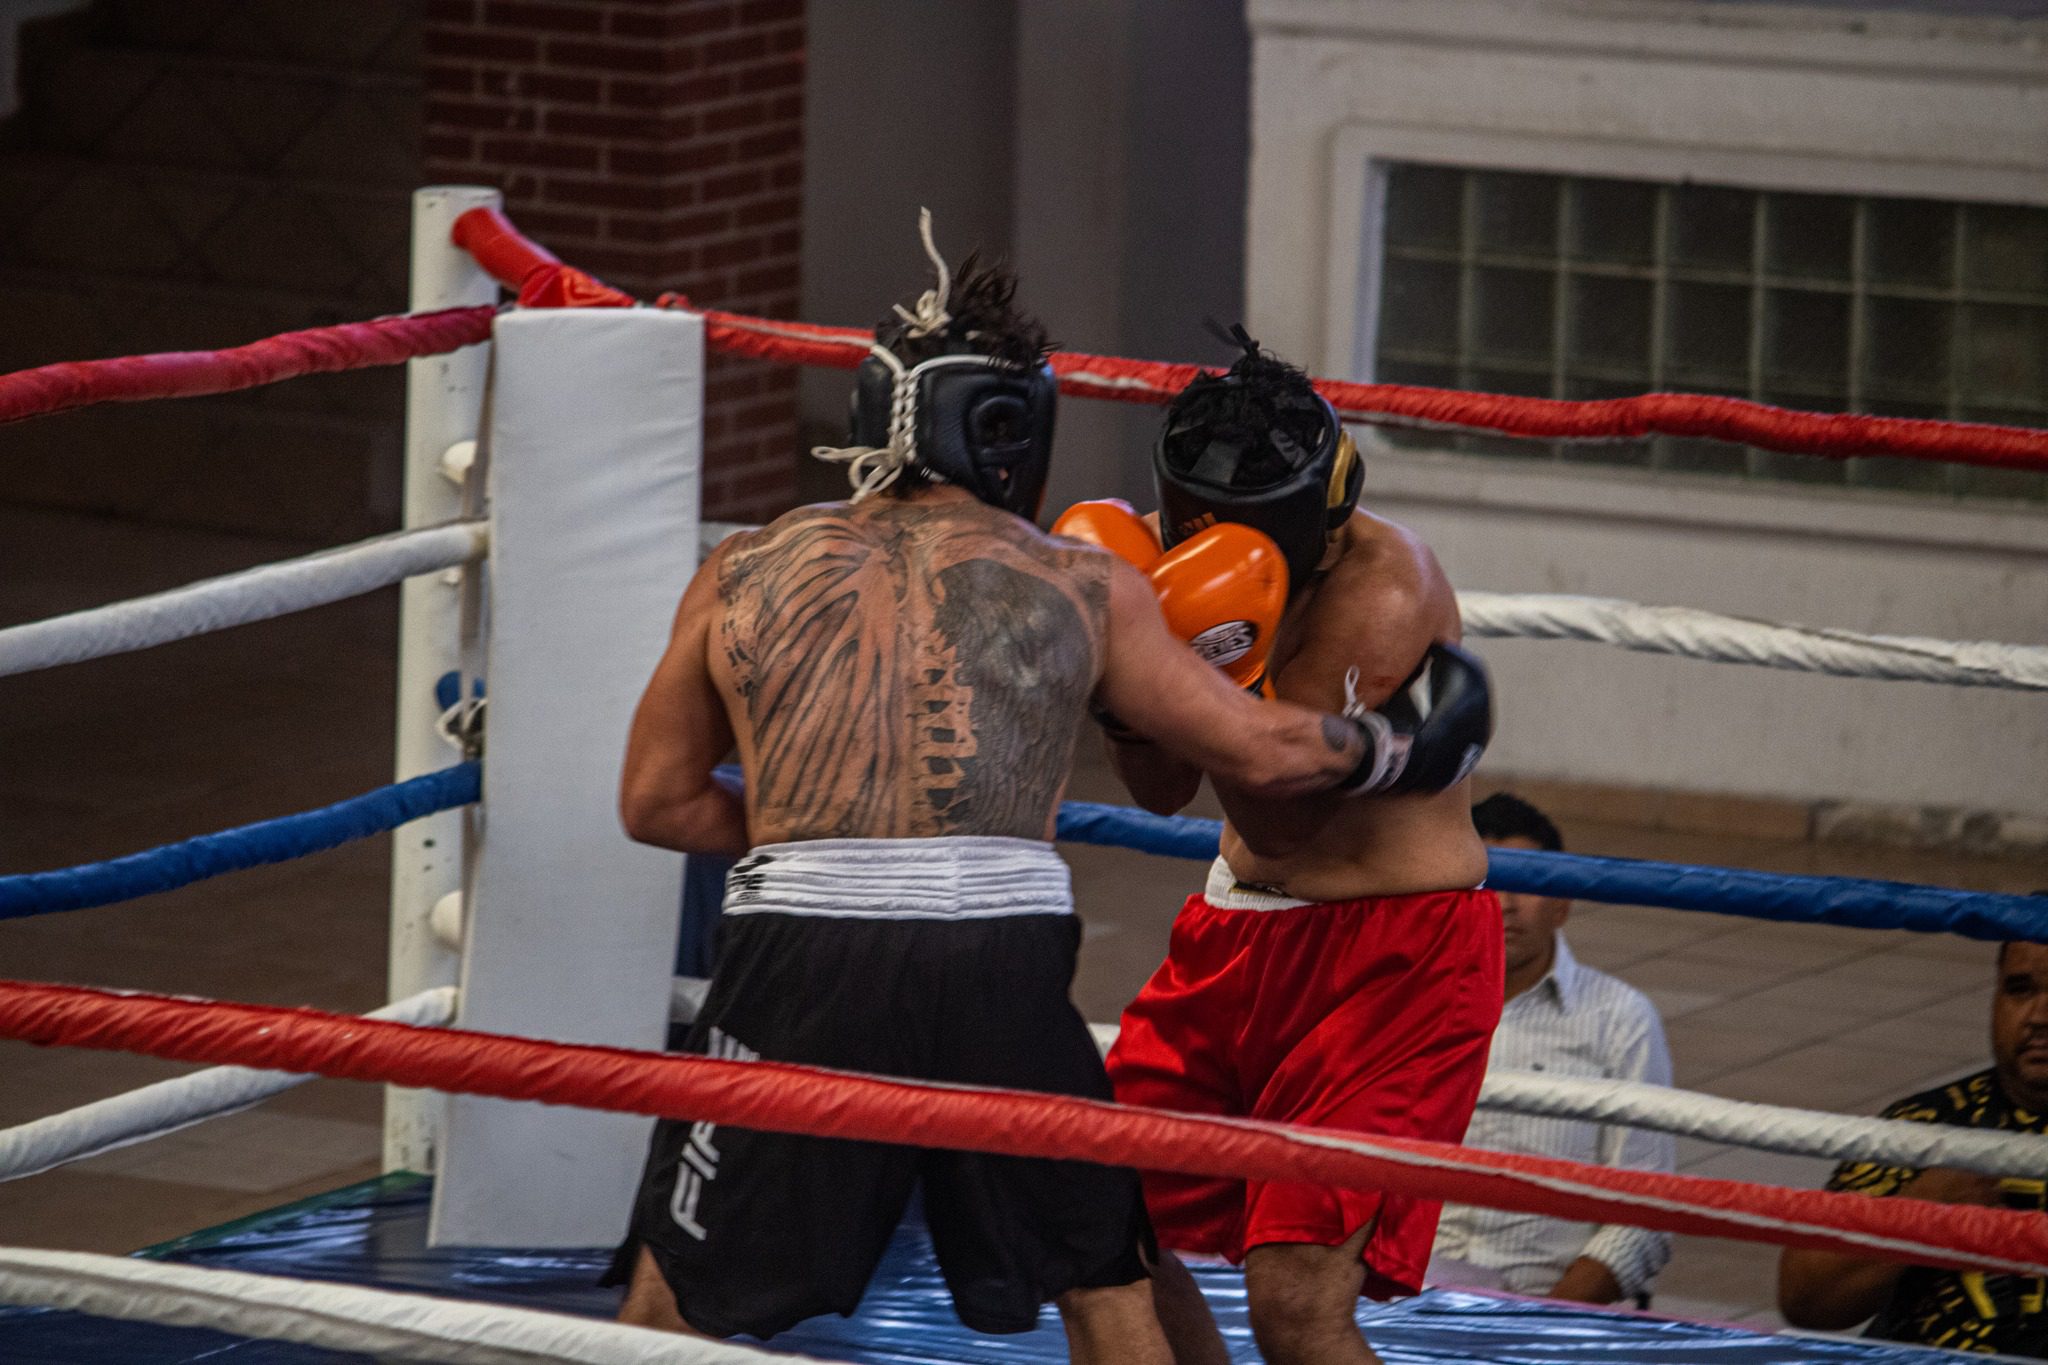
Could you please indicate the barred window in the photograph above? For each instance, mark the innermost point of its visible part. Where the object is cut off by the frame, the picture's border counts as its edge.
(1582, 287)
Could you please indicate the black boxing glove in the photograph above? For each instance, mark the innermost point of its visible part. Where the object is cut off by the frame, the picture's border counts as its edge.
(1430, 733)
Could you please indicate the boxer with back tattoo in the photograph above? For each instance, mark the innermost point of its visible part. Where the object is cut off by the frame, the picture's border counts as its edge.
(903, 676)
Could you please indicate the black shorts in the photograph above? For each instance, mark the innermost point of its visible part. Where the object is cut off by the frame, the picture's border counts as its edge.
(757, 1231)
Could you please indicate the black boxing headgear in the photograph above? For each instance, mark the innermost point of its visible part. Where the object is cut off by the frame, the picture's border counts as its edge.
(1260, 447)
(969, 401)
(971, 420)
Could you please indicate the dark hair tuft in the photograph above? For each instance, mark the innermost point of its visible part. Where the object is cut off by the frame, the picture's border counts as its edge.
(1262, 406)
(985, 321)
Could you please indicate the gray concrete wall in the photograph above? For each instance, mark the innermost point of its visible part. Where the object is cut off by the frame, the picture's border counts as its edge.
(910, 105)
(1133, 118)
(1100, 143)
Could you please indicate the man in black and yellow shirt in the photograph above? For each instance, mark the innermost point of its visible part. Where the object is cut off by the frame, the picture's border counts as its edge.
(1989, 1314)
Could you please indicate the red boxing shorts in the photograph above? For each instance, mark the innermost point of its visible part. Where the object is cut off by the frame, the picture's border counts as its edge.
(1373, 1016)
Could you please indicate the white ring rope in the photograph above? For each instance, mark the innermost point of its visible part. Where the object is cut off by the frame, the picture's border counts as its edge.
(1738, 1123)
(1766, 1127)
(344, 1317)
(332, 575)
(167, 1106)
(237, 599)
(1693, 634)
(1732, 639)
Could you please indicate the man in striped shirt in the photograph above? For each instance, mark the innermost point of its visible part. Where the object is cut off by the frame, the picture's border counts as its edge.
(1561, 1018)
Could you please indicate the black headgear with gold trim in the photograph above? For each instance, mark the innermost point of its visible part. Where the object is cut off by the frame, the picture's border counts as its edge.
(1258, 446)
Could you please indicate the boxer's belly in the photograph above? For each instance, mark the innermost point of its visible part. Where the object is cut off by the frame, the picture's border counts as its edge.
(1392, 846)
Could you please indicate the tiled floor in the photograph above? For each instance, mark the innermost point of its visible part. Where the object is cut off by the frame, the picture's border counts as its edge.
(104, 758)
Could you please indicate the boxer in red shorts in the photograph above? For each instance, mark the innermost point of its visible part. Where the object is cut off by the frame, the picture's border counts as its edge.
(1343, 967)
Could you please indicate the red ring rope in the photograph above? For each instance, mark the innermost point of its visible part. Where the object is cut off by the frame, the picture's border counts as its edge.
(186, 374)
(543, 281)
(518, 262)
(784, 1098)
(1836, 435)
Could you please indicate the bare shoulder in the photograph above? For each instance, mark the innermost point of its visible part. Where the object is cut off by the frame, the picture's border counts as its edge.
(1388, 576)
(1087, 569)
(829, 533)
(798, 525)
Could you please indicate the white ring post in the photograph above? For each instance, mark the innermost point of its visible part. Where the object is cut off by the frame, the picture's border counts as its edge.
(570, 927)
(444, 397)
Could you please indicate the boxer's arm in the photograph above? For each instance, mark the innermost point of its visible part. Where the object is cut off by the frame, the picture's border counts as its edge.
(1156, 780)
(668, 795)
(1387, 618)
(1161, 689)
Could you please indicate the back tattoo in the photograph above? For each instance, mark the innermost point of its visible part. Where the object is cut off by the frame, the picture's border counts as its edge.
(910, 671)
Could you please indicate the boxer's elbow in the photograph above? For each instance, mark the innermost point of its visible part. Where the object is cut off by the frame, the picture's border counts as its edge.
(1165, 799)
(707, 819)
(657, 813)
(649, 818)
(1157, 781)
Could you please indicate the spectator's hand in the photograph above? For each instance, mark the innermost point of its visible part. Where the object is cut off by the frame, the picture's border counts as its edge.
(1943, 1185)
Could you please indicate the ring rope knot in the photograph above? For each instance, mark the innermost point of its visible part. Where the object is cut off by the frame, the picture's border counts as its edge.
(462, 726)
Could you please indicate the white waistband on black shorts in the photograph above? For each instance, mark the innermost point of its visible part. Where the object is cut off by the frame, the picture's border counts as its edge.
(965, 877)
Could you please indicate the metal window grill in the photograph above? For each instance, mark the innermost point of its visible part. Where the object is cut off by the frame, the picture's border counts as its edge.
(1583, 287)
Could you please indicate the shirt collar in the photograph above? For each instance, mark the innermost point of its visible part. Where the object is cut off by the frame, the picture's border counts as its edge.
(1566, 977)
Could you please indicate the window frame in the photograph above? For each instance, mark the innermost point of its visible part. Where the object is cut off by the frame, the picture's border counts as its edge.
(1361, 155)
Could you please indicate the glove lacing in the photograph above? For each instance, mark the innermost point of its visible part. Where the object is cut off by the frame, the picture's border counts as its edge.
(1389, 756)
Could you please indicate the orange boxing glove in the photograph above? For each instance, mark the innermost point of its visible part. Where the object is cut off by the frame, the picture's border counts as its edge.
(1110, 523)
(1223, 590)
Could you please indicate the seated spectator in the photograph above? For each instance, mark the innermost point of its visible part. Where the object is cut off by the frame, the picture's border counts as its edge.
(1565, 1019)
(1988, 1314)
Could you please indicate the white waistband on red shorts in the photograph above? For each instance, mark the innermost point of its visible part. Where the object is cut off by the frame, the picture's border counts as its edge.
(1225, 892)
(964, 877)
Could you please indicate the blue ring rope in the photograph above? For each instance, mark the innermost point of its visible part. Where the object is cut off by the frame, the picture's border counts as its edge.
(267, 841)
(1845, 901)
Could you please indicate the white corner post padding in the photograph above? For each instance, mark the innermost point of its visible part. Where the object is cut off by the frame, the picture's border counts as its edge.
(343, 1317)
(444, 400)
(571, 927)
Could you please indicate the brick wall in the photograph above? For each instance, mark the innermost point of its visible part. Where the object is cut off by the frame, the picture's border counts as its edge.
(659, 144)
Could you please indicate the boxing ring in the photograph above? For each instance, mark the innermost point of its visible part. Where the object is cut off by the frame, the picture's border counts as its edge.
(552, 461)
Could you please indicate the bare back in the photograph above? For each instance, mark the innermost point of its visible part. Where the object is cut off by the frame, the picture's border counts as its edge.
(1376, 610)
(906, 668)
